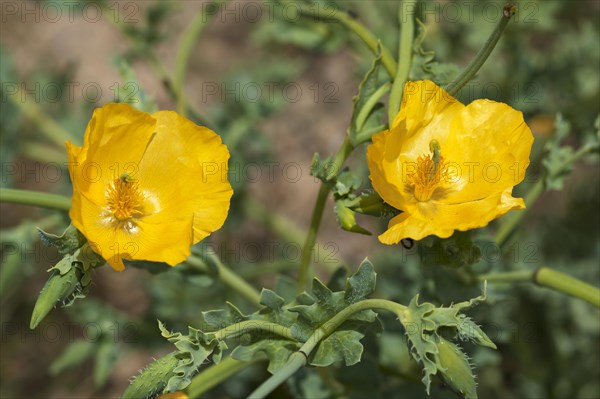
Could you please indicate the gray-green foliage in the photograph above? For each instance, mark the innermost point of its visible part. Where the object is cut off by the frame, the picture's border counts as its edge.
(425, 324)
(302, 315)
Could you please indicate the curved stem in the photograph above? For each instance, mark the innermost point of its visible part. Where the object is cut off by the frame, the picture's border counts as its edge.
(35, 198)
(245, 326)
(215, 374)
(190, 36)
(350, 22)
(483, 54)
(549, 278)
(364, 112)
(227, 277)
(406, 18)
(338, 160)
(299, 359)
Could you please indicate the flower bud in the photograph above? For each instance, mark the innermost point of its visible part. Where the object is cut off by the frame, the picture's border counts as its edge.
(455, 369)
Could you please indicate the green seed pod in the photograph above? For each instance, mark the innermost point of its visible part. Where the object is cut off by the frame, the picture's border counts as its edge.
(58, 289)
(153, 379)
(455, 369)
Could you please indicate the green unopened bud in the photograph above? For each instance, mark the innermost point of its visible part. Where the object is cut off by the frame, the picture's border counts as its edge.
(455, 369)
(347, 219)
(57, 289)
(153, 379)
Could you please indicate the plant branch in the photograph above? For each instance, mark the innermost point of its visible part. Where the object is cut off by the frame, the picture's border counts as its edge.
(406, 10)
(352, 24)
(35, 198)
(311, 238)
(300, 358)
(242, 327)
(549, 278)
(469, 72)
(227, 277)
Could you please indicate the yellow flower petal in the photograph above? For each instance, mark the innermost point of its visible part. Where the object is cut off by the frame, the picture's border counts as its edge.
(197, 176)
(442, 219)
(490, 143)
(147, 187)
(446, 166)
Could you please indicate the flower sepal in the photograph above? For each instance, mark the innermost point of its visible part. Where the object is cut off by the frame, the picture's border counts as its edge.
(70, 278)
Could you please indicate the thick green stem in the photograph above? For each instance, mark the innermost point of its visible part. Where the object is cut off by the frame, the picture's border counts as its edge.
(245, 326)
(364, 112)
(299, 359)
(350, 22)
(311, 238)
(406, 18)
(35, 198)
(469, 72)
(190, 36)
(227, 277)
(546, 277)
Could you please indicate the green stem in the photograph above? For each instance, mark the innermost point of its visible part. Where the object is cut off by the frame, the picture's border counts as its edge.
(215, 374)
(242, 327)
(299, 359)
(364, 112)
(469, 72)
(190, 36)
(513, 220)
(546, 277)
(406, 18)
(311, 238)
(35, 198)
(227, 277)
(350, 22)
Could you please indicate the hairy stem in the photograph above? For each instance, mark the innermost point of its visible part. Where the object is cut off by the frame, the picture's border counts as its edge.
(242, 327)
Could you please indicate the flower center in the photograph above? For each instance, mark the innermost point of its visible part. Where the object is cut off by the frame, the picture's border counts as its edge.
(428, 174)
(125, 201)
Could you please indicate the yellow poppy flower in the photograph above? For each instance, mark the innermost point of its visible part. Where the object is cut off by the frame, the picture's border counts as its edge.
(147, 186)
(448, 166)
